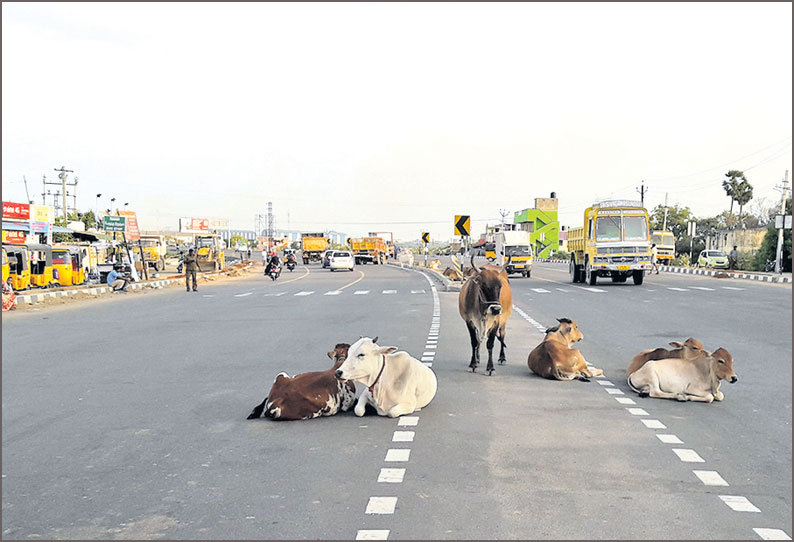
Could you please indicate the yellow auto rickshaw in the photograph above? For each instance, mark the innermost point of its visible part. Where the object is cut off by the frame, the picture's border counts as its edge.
(6, 267)
(41, 270)
(66, 266)
(18, 266)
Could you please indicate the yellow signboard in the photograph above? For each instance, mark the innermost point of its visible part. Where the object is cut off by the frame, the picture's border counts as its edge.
(462, 225)
(42, 213)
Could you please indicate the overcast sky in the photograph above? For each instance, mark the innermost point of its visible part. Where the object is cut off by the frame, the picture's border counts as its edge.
(393, 117)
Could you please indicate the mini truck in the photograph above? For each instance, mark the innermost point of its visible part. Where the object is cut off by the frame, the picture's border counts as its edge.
(513, 251)
(313, 244)
(613, 242)
(209, 252)
(665, 245)
(369, 249)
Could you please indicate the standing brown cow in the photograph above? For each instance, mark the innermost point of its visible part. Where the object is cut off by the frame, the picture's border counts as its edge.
(485, 303)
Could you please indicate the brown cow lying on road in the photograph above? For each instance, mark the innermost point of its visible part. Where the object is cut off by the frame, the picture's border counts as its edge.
(689, 349)
(695, 379)
(555, 359)
(309, 395)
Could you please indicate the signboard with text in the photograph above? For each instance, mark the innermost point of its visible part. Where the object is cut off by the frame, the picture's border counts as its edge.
(18, 211)
(115, 223)
(14, 237)
(40, 227)
(131, 232)
(42, 213)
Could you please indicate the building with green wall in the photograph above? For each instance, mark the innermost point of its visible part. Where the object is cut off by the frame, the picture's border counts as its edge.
(542, 225)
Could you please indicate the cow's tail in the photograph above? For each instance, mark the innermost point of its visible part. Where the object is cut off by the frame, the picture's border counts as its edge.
(628, 381)
(257, 411)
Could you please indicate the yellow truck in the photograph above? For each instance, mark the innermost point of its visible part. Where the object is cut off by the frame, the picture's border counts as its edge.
(313, 244)
(665, 245)
(209, 252)
(154, 249)
(369, 249)
(513, 251)
(614, 242)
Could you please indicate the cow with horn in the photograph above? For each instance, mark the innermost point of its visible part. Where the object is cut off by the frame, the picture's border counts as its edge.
(485, 303)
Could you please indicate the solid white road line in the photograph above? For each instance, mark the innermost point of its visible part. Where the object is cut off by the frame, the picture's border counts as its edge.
(771, 534)
(688, 456)
(408, 420)
(361, 292)
(739, 504)
(625, 401)
(710, 477)
(669, 439)
(381, 505)
(637, 411)
(372, 534)
(653, 424)
(395, 455)
(391, 476)
(403, 436)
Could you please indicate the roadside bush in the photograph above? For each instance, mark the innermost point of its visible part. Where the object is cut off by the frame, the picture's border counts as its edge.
(682, 260)
(748, 261)
(561, 255)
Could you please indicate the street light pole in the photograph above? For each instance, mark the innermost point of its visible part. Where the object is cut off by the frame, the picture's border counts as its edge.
(96, 216)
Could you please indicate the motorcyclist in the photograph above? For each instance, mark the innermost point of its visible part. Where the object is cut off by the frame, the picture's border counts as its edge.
(273, 262)
(291, 258)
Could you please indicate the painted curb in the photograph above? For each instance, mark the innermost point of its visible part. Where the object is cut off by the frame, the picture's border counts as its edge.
(445, 282)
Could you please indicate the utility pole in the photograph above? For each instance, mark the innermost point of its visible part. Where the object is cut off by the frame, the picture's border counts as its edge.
(664, 227)
(779, 250)
(642, 191)
(62, 175)
(270, 232)
(504, 213)
(26, 189)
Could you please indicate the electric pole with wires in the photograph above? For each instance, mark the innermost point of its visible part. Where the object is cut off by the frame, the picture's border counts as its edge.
(641, 189)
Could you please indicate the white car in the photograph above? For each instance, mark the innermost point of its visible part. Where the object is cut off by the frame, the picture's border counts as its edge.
(341, 259)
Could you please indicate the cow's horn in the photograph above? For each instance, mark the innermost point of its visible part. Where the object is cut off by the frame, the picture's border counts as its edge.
(509, 258)
(472, 264)
(375, 339)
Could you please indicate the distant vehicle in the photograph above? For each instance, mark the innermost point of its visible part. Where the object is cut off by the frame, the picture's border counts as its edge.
(209, 253)
(341, 259)
(313, 246)
(665, 245)
(516, 248)
(369, 250)
(490, 250)
(716, 259)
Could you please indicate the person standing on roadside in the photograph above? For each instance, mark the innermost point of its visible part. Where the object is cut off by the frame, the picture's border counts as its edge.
(191, 266)
(654, 255)
(733, 259)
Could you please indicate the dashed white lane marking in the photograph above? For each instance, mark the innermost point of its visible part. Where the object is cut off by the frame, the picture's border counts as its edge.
(427, 358)
(243, 295)
(710, 477)
(688, 456)
(431, 346)
(372, 534)
(389, 291)
(275, 295)
(605, 382)
(540, 291)
(594, 290)
(637, 411)
(562, 290)
(701, 288)
(333, 292)
(361, 292)
(208, 295)
(304, 293)
(403, 436)
(391, 476)
(417, 291)
(653, 424)
(397, 455)
(731, 288)
(381, 505)
(408, 420)
(428, 353)
(739, 504)
(678, 289)
(613, 391)
(669, 439)
(625, 401)
(771, 534)
(428, 364)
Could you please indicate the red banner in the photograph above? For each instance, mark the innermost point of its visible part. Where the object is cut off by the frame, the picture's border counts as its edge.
(19, 211)
(14, 237)
(132, 232)
(202, 224)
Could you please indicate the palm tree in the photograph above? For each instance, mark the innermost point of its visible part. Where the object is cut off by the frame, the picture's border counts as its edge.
(743, 194)
(731, 184)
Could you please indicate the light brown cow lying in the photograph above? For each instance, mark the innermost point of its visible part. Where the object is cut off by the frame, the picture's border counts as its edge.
(555, 359)
(695, 379)
(689, 349)
(309, 395)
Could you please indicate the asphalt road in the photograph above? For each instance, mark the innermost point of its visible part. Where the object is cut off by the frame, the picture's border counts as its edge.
(125, 417)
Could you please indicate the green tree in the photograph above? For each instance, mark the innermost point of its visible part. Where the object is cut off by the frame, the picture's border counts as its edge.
(237, 239)
(743, 194)
(89, 219)
(677, 218)
(769, 245)
(731, 184)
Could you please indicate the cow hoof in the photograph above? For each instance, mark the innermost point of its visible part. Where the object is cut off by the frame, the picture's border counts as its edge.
(502, 361)
(644, 394)
(473, 369)
(490, 373)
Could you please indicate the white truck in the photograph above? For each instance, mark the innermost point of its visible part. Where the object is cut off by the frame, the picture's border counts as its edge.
(515, 247)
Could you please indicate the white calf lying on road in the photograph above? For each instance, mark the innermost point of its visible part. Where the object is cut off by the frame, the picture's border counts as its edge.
(696, 379)
(406, 258)
(396, 383)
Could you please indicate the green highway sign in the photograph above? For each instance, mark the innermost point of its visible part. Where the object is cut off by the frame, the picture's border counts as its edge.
(115, 223)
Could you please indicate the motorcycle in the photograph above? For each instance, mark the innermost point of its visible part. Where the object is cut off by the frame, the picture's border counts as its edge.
(291, 265)
(274, 272)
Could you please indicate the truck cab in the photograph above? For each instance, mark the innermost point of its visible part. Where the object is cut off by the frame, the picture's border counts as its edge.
(513, 251)
(665, 245)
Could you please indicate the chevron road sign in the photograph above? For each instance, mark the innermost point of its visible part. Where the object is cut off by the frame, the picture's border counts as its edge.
(462, 225)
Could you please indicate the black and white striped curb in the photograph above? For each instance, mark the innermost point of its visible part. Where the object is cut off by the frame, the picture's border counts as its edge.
(724, 274)
(99, 290)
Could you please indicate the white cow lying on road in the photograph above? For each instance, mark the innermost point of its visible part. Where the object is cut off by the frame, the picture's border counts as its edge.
(396, 383)
(406, 258)
(696, 379)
